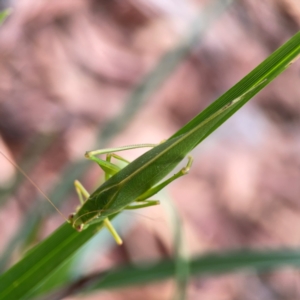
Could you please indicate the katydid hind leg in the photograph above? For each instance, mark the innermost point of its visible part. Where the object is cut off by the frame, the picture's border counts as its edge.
(108, 159)
(118, 157)
(106, 165)
(88, 154)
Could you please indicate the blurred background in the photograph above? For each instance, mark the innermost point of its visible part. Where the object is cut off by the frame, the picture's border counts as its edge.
(77, 75)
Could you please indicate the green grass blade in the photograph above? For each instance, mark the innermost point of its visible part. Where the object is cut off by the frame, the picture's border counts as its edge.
(34, 265)
(250, 85)
(52, 252)
(180, 250)
(43, 259)
(206, 265)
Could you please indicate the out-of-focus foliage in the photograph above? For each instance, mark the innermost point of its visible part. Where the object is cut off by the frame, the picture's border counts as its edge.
(67, 68)
(4, 14)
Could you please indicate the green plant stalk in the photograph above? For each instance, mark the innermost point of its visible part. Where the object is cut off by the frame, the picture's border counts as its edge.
(204, 265)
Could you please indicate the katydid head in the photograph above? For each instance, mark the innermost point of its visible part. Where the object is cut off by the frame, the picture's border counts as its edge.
(80, 221)
(76, 222)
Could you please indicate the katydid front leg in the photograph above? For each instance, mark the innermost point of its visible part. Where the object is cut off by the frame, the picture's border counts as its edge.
(83, 195)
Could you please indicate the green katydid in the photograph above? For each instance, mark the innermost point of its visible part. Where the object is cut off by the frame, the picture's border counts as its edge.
(132, 186)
